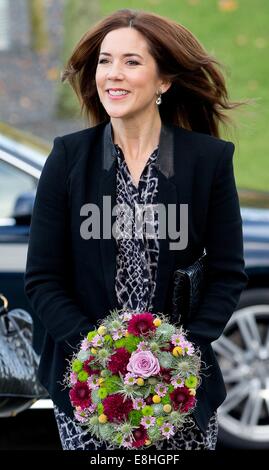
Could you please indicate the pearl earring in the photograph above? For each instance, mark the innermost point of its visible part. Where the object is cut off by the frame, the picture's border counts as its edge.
(159, 99)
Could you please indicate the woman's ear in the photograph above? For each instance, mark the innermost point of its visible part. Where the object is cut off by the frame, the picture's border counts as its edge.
(165, 86)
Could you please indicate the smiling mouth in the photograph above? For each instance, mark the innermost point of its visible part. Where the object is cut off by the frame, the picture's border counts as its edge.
(117, 95)
(124, 91)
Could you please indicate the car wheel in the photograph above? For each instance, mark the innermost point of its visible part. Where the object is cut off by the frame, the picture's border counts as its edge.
(243, 355)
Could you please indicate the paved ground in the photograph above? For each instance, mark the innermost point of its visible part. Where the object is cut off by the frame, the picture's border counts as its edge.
(28, 80)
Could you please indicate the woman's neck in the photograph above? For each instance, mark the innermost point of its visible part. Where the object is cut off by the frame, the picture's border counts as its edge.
(135, 139)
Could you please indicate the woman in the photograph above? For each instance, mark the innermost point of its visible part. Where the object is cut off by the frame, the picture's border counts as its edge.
(155, 99)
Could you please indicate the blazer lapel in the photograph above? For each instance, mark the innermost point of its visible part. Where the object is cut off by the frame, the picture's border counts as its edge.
(107, 187)
(167, 194)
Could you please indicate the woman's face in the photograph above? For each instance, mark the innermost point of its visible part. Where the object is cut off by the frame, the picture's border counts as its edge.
(136, 73)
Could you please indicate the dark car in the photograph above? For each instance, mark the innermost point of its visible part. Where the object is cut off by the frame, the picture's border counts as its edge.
(243, 348)
(20, 168)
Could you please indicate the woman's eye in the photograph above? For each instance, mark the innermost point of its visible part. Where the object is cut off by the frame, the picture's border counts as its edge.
(101, 61)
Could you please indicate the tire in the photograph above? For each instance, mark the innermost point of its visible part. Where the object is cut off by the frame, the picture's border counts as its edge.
(253, 304)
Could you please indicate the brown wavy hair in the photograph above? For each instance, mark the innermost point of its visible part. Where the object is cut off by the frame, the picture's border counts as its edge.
(198, 97)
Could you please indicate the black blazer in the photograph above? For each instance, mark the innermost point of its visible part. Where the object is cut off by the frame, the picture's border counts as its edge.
(69, 280)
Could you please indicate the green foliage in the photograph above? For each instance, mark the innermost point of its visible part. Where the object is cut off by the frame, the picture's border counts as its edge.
(112, 384)
(83, 376)
(129, 342)
(100, 408)
(77, 365)
(147, 410)
(95, 396)
(106, 431)
(135, 417)
(154, 432)
(165, 359)
(166, 400)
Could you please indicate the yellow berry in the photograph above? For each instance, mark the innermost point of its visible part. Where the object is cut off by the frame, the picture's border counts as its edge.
(140, 381)
(148, 442)
(102, 330)
(192, 391)
(157, 322)
(127, 334)
(102, 419)
(177, 351)
(101, 380)
(93, 351)
(167, 408)
(156, 399)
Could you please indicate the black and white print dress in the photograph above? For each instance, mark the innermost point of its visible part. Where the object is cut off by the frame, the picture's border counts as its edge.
(138, 247)
(137, 259)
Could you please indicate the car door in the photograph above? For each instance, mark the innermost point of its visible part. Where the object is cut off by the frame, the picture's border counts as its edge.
(18, 183)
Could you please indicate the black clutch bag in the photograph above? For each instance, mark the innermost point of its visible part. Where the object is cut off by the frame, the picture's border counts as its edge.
(188, 289)
(19, 386)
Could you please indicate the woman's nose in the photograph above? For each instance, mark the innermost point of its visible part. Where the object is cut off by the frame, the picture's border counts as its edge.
(114, 71)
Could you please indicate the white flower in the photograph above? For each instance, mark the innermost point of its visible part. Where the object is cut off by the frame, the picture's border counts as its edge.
(73, 378)
(167, 430)
(93, 382)
(148, 421)
(97, 341)
(138, 403)
(177, 381)
(130, 379)
(85, 344)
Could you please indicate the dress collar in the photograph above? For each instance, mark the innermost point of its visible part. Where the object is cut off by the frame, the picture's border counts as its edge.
(165, 154)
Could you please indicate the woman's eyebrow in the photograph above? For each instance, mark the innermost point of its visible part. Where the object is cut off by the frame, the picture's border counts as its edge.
(123, 55)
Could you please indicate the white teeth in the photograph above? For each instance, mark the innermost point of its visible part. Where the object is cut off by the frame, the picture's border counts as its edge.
(117, 92)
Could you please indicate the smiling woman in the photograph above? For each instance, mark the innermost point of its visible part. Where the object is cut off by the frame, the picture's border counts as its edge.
(126, 89)
(197, 98)
(154, 99)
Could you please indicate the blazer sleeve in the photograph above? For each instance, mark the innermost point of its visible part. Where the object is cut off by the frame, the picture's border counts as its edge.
(226, 276)
(45, 282)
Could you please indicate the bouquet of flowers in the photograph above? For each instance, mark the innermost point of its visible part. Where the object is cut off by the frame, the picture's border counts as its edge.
(133, 380)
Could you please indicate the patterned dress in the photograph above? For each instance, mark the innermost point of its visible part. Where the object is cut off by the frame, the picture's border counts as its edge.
(138, 248)
(137, 259)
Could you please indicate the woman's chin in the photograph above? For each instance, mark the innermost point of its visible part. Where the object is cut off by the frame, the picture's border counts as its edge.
(118, 113)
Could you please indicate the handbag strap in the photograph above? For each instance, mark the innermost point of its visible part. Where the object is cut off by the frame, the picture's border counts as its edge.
(4, 308)
(9, 320)
(4, 312)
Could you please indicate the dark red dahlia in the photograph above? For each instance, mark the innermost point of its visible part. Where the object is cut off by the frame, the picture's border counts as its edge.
(190, 403)
(116, 408)
(118, 361)
(80, 395)
(182, 399)
(141, 324)
(166, 374)
(87, 368)
(140, 436)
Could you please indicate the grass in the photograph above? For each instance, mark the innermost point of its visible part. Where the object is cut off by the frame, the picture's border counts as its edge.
(240, 40)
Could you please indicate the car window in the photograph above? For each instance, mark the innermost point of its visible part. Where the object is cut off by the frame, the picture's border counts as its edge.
(13, 182)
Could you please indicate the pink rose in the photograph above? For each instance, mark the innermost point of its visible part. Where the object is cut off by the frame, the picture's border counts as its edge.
(143, 364)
